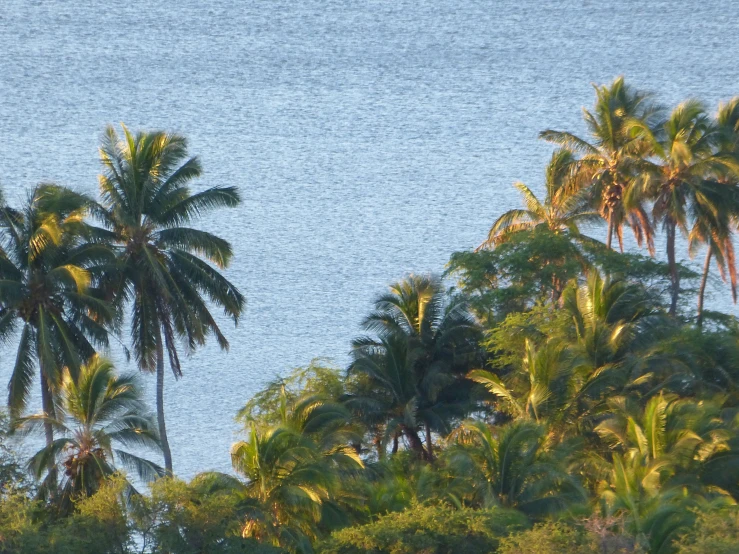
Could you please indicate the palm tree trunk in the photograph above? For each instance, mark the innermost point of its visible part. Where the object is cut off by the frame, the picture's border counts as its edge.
(702, 291)
(429, 443)
(609, 237)
(672, 262)
(160, 404)
(415, 441)
(47, 405)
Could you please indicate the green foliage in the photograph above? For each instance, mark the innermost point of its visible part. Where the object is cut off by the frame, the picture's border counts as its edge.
(715, 532)
(428, 529)
(530, 267)
(557, 379)
(265, 408)
(204, 516)
(99, 524)
(557, 538)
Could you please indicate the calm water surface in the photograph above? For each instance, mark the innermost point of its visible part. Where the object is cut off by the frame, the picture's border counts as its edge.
(369, 139)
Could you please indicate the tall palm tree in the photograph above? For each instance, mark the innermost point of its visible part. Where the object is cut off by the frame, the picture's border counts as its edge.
(610, 160)
(679, 178)
(431, 341)
(563, 209)
(48, 266)
(714, 228)
(99, 412)
(163, 264)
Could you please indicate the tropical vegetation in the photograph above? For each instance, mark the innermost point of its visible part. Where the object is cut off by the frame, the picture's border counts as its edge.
(547, 392)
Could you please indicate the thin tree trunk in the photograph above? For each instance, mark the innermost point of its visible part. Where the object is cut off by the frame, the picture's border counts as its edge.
(160, 405)
(672, 262)
(429, 443)
(702, 291)
(47, 405)
(609, 237)
(395, 443)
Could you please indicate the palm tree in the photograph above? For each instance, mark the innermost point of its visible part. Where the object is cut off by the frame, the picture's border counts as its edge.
(513, 467)
(611, 160)
(714, 228)
(48, 265)
(294, 469)
(562, 210)
(679, 181)
(163, 268)
(546, 389)
(428, 343)
(99, 412)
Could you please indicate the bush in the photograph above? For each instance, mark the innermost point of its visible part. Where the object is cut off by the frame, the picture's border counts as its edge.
(200, 517)
(714, 532)
(428, 529)
(557, 538)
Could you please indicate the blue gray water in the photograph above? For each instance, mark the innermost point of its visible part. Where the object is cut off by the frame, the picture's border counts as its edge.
(369, 139)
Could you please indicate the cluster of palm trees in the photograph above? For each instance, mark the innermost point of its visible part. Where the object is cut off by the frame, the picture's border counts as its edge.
(682, 166)
(75, 270)
(549, 382)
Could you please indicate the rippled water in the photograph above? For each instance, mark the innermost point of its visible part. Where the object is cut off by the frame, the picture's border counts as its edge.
(369, 139)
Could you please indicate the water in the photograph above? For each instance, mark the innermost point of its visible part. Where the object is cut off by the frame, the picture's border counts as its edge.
(368, 139)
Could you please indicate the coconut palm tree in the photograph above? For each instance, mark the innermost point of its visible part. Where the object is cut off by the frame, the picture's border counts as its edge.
(163, 263)
(99, 415)
(429, 343)
(679, 178)
(48, 267)
(715, 219)
(611, 159)
(294, 470)
(563, 209)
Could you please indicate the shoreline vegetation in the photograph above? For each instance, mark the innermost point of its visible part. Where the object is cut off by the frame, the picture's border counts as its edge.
(561, 396)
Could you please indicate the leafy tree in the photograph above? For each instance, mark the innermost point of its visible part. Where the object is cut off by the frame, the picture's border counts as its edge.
(555, 538)
(204, 516)
(163, 263)
(716, 531)
(529, 268)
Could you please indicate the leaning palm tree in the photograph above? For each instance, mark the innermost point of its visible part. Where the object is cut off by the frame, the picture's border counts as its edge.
(679, 178)
(610, 161)
(48, 266)
(563, 209)
(98, 413)
(163, 264)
